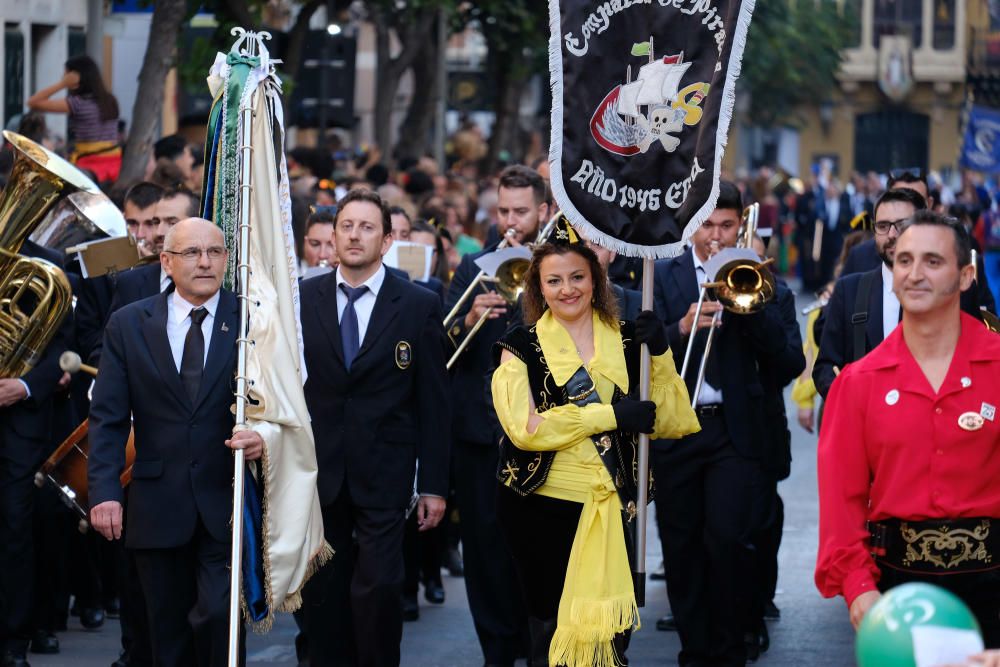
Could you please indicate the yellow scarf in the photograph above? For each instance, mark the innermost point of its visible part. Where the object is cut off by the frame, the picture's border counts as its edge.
(598, 598)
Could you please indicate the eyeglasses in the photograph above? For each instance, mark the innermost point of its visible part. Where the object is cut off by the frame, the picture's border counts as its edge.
(883, 226)
(192, 254)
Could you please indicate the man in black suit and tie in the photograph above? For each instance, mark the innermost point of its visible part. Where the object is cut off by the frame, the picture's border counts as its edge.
(377, 394)
(707, 484)
(25, 439)
(168, 363)
(863, 309)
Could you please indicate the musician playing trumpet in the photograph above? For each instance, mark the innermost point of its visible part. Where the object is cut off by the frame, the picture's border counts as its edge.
(497, 610)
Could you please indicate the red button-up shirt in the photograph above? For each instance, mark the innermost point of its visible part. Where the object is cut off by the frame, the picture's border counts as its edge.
(889, 447)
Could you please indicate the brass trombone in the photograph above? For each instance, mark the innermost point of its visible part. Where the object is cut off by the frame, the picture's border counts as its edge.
(509, 281)
(741, 285)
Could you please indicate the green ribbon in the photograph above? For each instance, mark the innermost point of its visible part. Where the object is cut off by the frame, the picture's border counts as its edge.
(226, 191)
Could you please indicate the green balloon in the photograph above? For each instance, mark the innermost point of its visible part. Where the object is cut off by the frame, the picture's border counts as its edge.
(885, 639)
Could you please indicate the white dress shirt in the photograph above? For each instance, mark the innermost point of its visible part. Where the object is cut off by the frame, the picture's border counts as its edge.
(179, 321)
(164, 280)
(709, 394)
(890, 303)
(364, 304)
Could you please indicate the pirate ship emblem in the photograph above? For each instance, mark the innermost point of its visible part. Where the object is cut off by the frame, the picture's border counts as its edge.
(650, 108)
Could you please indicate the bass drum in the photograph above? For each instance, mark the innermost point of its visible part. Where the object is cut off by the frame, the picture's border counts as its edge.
(66, 471)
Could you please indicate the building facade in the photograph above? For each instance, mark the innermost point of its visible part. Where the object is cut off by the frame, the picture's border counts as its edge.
(901, 96)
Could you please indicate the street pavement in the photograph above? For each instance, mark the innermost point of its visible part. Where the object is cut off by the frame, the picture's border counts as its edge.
(812, 632)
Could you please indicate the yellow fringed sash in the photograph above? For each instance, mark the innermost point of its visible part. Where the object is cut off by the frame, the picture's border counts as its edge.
(598, 600)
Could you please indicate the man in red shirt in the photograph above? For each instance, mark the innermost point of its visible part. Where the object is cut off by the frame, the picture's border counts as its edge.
(908, 452)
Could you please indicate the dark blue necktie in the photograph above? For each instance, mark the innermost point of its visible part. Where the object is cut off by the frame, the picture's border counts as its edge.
(349, 323)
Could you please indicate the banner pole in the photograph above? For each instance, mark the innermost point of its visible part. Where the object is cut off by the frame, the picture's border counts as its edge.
(242, 351)
(642, 495)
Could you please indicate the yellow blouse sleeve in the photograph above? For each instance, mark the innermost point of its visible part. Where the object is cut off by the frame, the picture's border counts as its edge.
(804, 392)
(674, 416)
(562, 426)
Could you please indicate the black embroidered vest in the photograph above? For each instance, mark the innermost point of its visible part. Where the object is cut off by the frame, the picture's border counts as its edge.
(524, 472)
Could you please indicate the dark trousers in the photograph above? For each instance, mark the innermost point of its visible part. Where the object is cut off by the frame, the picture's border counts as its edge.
(704, 510)
(54, 525)
(20, 458)
(351, 609)
(186, 589)
(135, 637)
(540, 532)
(979, 590)
(769, 518)
(422, 553)
(497, 608)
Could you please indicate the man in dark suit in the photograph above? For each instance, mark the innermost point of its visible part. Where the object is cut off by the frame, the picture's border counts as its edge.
(25, 439)
(707, 483)
(147, 206)
(850, 330)
(776, 460)
(184, 343)
(865, 256)
(377, 393)
(93, 305)
(496, 605)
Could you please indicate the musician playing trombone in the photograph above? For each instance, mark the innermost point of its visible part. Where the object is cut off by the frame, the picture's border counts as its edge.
(496, 606)
(709, 483)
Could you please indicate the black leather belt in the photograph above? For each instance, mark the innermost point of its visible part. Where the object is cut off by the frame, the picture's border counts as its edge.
(938, 546)
(708, 410)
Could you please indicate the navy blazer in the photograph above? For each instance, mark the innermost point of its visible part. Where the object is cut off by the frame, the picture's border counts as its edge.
(183, 470)
(93, 306)
(629, 302)
(836, 342)
(475, 421)
(374, 422)
(127, 287)
(745, 343)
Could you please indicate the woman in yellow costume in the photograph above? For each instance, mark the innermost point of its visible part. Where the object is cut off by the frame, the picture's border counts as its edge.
(568, 463)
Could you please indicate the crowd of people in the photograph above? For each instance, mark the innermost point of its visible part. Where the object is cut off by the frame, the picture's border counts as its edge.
(540, 526)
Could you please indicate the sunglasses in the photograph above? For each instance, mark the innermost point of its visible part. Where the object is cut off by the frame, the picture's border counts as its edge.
(907, 175)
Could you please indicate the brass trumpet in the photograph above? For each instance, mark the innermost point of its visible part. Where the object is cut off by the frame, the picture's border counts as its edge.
(742, 286)
(34, 294)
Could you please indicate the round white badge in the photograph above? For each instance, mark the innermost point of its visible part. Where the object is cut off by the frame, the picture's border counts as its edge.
(966, 382)
(892, 397)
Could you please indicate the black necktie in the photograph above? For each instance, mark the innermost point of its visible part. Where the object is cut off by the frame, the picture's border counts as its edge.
(193, 358)
(349, 335)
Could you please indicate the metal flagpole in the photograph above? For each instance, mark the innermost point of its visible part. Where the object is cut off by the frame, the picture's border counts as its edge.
(642, 477)
(242, 349)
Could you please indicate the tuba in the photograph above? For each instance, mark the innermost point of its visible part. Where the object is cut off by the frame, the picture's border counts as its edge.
(35, 295)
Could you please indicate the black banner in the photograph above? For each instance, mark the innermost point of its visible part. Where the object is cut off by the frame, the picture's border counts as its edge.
(642, 97)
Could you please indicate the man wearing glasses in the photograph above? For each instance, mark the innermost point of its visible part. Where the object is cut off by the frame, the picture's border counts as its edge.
(863, 310)
(167, 362)
(864, 256)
